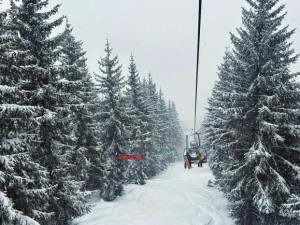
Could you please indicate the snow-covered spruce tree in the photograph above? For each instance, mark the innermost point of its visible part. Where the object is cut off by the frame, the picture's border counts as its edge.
(163, 124)
(44, 88)
(149, 160)
(24, 184)
(77, 82)
(262, 177)
(171, 124)
(153, 108)
(152, 101)
(113, 118)
(175, 131)
(162, 151)
(137, 124)
(165, 148)
(205, 148)
(24, 189)
(174, 135)
(225, 116)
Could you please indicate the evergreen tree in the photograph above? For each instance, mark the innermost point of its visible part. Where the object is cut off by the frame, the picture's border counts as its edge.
(224, 116)
(44, 88)
(137, 124)
(159, 122)
(162, 121)
(149, 160)
(174, 135)
(24, 183)
(153, 107)
(113, 130)
(258, 132)
(164, 147)
(176, 130)
(81, 99)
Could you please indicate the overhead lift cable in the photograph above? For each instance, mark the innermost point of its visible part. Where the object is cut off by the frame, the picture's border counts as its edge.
(197, 68)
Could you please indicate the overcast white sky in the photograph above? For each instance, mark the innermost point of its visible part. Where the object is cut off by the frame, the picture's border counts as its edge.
(162, 35)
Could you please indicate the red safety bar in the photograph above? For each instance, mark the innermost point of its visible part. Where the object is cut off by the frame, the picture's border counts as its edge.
(130, 157)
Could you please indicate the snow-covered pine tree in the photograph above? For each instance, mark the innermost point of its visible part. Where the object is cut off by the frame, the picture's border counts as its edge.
(113, 118)
(149, 160)
(137, 124)
(24, 183)
(163, 124)
(165, 148)
(176, 137)
(153, 108)
(263, 171)
(161, 153)
(24, 188)
(171, 125)
(174, 132)
(81, 101)
(45, 88)
(152, 102)
(224, 116)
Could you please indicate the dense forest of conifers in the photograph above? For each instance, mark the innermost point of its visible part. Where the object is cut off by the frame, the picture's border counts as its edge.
(61, 132)
(63, 128)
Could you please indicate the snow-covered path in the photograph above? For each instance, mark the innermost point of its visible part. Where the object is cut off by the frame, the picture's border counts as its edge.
(177, 196)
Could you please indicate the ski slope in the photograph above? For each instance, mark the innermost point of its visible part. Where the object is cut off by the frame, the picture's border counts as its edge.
(177, 196)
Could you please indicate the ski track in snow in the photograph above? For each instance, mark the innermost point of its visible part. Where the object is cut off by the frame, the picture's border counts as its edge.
(175, 197)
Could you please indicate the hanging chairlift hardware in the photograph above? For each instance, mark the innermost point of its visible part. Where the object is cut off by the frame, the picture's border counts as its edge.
(203, 157)
(197, 70)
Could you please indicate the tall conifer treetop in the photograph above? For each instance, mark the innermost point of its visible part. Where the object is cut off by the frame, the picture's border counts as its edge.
(133, 82)
(113, 129)
(32, 25)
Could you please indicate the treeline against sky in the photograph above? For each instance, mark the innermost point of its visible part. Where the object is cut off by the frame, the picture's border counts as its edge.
(61, 132)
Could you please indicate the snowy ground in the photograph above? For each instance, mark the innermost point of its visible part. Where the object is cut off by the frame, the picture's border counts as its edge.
(177, 196)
